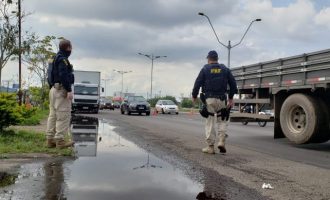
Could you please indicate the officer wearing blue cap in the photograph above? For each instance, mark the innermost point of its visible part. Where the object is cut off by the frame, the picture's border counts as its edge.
(214, 79)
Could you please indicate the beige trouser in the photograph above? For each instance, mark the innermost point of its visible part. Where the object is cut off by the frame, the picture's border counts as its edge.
(59, 113)
(213, 124)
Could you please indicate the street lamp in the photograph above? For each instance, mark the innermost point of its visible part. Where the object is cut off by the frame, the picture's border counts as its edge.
(105, 84)
(229, 46)
(122, 78)
(152, 58)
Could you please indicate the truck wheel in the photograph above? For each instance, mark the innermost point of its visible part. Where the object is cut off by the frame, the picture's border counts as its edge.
(148, 113)
(301, 118)
(262, 123)
(245, 123)
(163, 112)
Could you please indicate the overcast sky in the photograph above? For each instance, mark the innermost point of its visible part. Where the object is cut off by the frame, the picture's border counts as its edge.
(108, 34)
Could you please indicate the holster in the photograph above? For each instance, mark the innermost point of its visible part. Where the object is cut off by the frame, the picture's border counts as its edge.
(203, 98)
(223, 113)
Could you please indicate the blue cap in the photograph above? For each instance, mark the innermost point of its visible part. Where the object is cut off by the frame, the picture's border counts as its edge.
(212, 54)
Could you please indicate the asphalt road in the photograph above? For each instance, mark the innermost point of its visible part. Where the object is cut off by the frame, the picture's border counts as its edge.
(249, 136)
(253, 156)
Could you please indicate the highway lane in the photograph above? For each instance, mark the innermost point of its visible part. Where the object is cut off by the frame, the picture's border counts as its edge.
(251, 136)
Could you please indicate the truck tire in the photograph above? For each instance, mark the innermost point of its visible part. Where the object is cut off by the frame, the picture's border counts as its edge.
(301, 119)
(262, 123)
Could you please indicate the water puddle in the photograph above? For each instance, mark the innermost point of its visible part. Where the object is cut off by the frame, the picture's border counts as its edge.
(107, 167)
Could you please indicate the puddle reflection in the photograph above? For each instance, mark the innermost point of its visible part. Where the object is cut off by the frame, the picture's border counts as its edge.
(148, 164)
(102, 170)
(84, 132)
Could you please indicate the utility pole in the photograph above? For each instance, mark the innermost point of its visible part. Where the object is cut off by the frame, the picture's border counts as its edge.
(20, 94)
(152, 58)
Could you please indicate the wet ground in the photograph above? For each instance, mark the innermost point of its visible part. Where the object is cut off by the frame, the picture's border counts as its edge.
(107, 166)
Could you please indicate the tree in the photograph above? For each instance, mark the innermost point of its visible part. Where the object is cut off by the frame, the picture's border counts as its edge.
(9, 32)
(9, 111)
(186, 103)
(154, 100)
(37, 59)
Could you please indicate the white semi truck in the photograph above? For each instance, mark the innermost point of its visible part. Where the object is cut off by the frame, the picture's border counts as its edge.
(86, 90)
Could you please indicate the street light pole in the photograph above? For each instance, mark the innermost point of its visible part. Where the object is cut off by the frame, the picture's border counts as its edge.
(229, 46)
(152, 58)
(122, 78)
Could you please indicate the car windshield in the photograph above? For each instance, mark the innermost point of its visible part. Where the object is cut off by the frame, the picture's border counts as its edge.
(168, 102)
(137, 98)
(83, 90)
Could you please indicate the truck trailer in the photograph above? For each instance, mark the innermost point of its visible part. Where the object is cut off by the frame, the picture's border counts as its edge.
(86, 90)
(297, 88)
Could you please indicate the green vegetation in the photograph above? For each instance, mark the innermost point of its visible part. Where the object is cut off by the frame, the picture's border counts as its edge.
(13, 114)
(35, 119)
(12, 142)
(187, 103)
(9, 111)
(154, 100)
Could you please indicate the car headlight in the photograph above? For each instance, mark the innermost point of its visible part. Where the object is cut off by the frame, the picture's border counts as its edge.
(132, 105)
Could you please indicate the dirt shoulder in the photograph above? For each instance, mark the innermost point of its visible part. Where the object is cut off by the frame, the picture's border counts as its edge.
(40, 128)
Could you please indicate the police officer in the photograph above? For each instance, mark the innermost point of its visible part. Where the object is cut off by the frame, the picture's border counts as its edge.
(214, 79)
(60, 97)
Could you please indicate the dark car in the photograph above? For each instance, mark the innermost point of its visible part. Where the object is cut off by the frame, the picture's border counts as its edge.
(135, 104)
(106, 104)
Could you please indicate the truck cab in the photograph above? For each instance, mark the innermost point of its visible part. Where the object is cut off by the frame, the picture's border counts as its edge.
(86, 91)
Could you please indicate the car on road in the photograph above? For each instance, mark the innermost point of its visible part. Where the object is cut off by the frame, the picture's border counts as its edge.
(106, 104)
(166, 106)
(135, 104)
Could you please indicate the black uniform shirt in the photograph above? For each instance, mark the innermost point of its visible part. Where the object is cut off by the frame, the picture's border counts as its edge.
(63, 73)
(214, 79)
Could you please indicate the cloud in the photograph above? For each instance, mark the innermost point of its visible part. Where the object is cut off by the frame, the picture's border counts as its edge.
(323, 17)
(108, 34)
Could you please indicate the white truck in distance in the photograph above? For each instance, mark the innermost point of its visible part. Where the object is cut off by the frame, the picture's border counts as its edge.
(86, 91)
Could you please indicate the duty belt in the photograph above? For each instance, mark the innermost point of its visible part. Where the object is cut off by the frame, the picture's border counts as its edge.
(222, 97)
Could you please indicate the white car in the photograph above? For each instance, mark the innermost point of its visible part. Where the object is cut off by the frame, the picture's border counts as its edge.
(166, 106)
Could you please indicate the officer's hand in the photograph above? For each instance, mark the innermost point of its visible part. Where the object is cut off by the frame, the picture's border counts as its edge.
(230, 103)
(70, 96)
(194, 100)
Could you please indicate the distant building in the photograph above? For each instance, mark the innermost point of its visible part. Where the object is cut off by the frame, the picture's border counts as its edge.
(7, 89)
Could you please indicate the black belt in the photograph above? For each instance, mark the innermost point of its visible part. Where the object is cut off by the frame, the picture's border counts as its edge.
(222, 97)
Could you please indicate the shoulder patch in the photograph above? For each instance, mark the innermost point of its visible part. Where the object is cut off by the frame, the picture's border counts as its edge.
(65, 62)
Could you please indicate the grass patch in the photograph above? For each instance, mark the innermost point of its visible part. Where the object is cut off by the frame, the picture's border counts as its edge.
(36, 118)
(12, 142)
